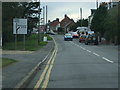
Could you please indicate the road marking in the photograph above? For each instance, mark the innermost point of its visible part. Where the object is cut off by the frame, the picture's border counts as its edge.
(83, 48)
(45, 83)
(43, 73)
(88, 51)
(80, 47)
(96, 54)
(47, 70)
(107, 60)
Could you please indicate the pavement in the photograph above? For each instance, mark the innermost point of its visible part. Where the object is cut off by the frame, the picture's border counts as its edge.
(18, 75)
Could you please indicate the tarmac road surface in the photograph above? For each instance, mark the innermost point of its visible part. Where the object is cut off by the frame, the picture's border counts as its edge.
(76, 65)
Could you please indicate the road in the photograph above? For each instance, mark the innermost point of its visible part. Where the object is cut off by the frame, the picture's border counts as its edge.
(76, 65)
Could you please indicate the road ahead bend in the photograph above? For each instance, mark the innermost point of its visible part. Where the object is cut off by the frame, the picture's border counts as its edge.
(80, 66)
(83, 66)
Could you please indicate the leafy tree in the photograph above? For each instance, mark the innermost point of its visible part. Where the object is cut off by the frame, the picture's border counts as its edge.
(32, 11)
(99, 18)
(12, 10)
(78, 24)
(118, 24)
(111, 25)
(9, 11)
(60, 30)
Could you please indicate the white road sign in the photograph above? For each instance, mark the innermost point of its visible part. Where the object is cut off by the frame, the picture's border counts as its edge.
(19, 26)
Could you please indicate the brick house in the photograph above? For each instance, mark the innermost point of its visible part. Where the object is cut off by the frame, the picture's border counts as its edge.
(54, 25)
(66, 23)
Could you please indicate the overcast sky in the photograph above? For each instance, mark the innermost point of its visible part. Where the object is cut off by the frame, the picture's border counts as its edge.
(58, 8)
(72, 9)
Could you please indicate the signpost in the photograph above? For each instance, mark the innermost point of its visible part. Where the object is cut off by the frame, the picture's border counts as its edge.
(19, 27)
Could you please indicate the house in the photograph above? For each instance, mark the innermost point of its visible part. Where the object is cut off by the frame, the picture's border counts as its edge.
(66, 23)
(54, 25)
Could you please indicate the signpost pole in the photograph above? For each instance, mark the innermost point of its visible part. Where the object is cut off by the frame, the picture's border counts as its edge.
(15, 41)
(24, 42)
(16, 38)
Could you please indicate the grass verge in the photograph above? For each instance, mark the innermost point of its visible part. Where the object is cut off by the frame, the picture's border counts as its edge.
(7, 61)
(31, 43)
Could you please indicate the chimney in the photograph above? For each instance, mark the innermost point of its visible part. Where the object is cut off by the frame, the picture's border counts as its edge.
(57, 19)
(65, 15)
(49, 21)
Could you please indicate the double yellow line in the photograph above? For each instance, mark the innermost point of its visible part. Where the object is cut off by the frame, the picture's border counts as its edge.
(47, 71)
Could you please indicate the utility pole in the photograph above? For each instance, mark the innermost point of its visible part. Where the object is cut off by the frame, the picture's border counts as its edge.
(81, 15)
(39, 24)
(43, 15)
(46, 18)
(97, 4)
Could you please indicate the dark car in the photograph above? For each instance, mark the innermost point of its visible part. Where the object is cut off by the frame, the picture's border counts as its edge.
(68, 36)
(91, 39)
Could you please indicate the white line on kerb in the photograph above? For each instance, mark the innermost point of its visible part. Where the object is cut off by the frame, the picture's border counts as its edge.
(96, 54)
(107, 60)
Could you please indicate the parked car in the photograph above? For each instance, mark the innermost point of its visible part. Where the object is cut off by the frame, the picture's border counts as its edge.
(75, 35)
(50, 33)
(82, 38)
(91, 39)
(68, 36)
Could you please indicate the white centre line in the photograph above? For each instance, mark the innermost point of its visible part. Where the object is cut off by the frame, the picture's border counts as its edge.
(107, 60)
(88, 51)
(93, 53)
(96, 54)
(83, 48)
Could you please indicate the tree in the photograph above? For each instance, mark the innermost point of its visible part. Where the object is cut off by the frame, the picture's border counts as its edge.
(9, 11)
(60, 30)
(78, 24)
(32, 13)
(99, 18)
(111, 25)
(12, 10)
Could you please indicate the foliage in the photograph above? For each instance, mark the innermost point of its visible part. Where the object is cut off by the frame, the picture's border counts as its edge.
(107, 23)
(78, 24)
(48, 37)
(118, 24)
(12, 10)
(32, 11)
(60, 30)
(7, 61)
(111, 25)
(99, 19)
(31, 44)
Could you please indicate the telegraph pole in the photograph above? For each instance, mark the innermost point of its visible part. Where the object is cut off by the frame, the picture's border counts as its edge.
(39, 24)
(43, 15)
(81, 15)
(97, 4)
(46, 18)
